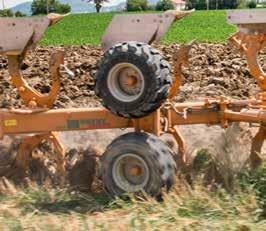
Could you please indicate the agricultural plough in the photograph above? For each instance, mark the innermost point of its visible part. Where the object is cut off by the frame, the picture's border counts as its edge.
(135, 85)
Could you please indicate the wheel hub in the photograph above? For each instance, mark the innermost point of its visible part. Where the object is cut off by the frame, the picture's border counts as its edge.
(130, 172)
(135, 170)
(125, 82)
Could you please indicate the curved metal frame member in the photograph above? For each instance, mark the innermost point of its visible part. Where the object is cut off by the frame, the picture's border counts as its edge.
(256, 146)
(180, 59)
(29, 95)
(251, 44)
(29, 143)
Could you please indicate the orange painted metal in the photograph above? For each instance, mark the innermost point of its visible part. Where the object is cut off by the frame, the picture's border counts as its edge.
(250, 45)
(31, 97)
(36, 121)
(180, 59)
(257, 142)
(29, 143)
(180, 141)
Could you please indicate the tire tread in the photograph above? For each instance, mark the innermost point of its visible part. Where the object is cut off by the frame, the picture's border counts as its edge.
(154, 60)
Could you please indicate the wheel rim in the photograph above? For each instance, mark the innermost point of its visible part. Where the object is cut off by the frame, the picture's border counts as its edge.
(130, 172)
(125, 82)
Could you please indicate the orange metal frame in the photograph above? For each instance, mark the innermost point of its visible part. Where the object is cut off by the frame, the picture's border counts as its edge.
(164, 120)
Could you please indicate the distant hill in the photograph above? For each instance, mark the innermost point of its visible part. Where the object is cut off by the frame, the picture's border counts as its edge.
(77, 6)
(23, 7)
(152, 2)
(119, 7)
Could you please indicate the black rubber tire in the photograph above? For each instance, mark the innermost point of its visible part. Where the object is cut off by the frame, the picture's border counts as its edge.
(156, 73)
(171, 142)
(155, 153)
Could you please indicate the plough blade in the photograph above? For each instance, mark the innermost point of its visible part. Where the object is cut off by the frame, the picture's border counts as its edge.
(250, 39)
(145, 28)
(248, 21)
(18, 34)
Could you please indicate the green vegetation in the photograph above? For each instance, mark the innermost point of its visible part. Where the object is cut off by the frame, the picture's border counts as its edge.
(212, 4)
(98, 4)
(44, 6)
(163, 5)
(257, 181)
(204, 26)
(78, 29)
(252, 4)
(137, 5)
(10, 13)
(6, 13)
(19, 14)
(185, 208)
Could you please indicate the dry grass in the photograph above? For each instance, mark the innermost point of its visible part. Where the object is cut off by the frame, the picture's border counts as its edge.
(182, 209)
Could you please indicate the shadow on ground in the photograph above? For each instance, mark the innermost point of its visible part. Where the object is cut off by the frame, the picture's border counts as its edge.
(54, 201)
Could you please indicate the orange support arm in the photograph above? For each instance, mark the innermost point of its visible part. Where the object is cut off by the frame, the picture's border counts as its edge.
(29, 95)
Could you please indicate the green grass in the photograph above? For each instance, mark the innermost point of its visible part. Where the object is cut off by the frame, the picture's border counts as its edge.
(80, 29)
(183, 209)
(204, 26)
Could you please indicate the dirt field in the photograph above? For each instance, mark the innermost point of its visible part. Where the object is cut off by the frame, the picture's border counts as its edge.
(215, 70)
